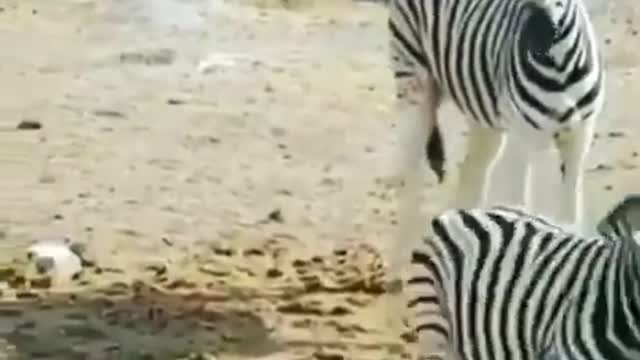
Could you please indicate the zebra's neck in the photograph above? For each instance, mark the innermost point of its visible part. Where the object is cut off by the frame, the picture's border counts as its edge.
(628, 298)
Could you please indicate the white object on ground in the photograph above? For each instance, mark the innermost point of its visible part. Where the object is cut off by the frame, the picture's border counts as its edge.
(55, 259)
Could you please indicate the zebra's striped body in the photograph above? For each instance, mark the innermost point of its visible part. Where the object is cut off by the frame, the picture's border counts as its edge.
(501, 284)
(505, 63)
(528, 68)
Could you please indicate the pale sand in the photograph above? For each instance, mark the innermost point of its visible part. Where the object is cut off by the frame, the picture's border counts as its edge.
(156, 164)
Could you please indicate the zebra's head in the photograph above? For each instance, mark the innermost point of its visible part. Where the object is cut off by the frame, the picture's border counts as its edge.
(543, 23)
(623, 220)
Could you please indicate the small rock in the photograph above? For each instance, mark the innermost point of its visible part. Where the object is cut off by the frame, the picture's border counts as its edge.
(340, 252)
(181, 284)
(27, 295)
(149, 57)
(297, 308)
(158, 269)
(130, 232)
(284, 192)
(17, 282)
(29, 125)
(223, 251)
(108, 113)
(41, 283)
(276, 216)
(254, 252)
(112, 270)
(299, 263)
(340, 310)
(175, 102)
(616, 134)
(324, 355)
(274, 273)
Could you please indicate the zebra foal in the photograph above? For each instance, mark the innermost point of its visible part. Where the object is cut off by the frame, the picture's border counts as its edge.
(503, 284)
(530, 68)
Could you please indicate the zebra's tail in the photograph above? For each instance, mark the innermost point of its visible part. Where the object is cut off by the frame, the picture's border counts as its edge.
(435, 153)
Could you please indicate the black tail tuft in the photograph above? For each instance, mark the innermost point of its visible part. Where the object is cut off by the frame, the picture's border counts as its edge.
(435, 153)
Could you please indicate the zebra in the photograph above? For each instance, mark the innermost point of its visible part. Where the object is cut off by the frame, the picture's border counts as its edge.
(530, 69)
(501, 283)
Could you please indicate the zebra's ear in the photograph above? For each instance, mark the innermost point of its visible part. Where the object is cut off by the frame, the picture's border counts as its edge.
(623, 219)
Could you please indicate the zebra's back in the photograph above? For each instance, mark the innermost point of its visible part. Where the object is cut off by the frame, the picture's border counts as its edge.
(492, 284)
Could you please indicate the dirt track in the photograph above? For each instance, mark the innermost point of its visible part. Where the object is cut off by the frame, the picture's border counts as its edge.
(233, 185)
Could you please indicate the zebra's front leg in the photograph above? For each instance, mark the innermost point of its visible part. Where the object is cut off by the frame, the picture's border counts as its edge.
(484, 146)
(416, 112)
(573, 146)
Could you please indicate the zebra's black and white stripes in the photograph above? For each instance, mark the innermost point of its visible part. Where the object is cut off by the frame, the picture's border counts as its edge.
(502, 284)
(537, 56)
(530, 68)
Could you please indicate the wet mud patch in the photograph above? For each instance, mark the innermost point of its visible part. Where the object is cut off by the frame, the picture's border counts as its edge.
(130, 322)
(268, 299)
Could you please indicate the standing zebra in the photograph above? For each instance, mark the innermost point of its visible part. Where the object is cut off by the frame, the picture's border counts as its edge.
(502, 284)
(528, 67)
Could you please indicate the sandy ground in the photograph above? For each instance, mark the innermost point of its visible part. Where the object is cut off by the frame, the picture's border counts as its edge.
(232, 212)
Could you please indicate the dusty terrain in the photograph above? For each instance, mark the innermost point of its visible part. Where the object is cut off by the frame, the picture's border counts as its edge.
(218, 159)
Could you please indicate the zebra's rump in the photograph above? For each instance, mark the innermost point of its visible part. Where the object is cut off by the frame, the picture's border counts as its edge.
(474, 52)
(495, 282)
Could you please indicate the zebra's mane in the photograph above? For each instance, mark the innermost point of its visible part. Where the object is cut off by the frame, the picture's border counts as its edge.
(622, 221)
(541, 222)
(520, 212)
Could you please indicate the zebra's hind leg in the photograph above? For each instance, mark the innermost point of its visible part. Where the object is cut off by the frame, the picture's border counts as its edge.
(573, 146)
(416, 110)
(484, 146)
